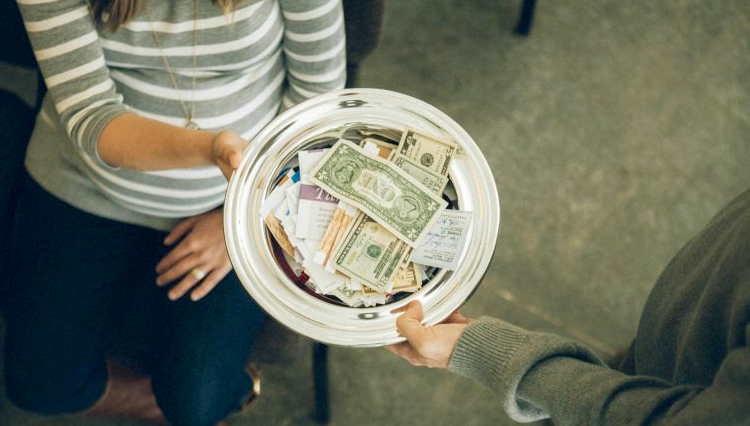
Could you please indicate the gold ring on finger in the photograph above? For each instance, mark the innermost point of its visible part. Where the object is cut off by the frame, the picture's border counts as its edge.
(198, 273)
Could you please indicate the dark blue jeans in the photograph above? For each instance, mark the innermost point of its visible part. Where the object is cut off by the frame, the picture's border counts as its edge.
(76, 278)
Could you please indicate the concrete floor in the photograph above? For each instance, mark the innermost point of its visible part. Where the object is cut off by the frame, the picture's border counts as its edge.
(615, 132)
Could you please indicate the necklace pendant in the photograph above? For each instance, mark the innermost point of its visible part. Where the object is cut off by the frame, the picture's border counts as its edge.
(192, 125)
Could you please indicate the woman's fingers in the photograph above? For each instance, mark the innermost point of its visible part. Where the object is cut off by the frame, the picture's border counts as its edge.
(208, 283)
(226, 170)
(228, 148)
(181, 229)
(202, 276)
(178, 269)
(188, 281)
(234, 158)
(199, 260)
(177, 254)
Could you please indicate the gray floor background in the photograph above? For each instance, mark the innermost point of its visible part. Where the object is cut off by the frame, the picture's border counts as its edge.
(615, 132)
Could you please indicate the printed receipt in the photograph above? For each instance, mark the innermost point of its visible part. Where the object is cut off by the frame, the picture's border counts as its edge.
(444, 243)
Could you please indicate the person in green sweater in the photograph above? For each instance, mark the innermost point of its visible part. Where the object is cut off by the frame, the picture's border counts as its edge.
(689, 363)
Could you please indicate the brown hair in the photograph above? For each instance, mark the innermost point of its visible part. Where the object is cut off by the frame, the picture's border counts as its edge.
(119, 12)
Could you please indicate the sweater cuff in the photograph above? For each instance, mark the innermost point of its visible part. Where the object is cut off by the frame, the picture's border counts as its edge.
(499, 355)
(488, 352)
(485, 348)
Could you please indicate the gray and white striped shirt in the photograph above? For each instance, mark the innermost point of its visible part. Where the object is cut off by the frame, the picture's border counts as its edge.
(244, 65)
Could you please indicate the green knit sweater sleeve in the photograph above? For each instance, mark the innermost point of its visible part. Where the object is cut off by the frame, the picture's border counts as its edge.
(499, 354)
(537, 375)
(690, 357)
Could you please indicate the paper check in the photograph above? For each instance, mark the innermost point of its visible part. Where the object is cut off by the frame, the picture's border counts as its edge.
(445, 241)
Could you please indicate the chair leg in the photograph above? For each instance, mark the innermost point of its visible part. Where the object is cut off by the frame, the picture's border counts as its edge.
(322, 413)
(523, 27)
(352, 71)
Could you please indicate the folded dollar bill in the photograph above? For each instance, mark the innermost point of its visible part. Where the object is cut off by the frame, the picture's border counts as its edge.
(424, 175)
(432, 153)
(370, 254)
(383, 191)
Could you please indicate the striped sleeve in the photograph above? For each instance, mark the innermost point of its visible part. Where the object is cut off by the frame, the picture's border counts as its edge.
(66, 46)
(314, 48)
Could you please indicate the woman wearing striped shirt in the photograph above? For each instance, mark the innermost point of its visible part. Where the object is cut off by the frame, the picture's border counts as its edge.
(148, 103)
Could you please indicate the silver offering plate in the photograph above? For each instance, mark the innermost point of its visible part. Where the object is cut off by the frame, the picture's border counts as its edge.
(255, 256)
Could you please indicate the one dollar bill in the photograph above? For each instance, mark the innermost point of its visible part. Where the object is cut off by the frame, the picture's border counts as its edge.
(370, 254)
(431, 153)
(427, 177)
(379, 188)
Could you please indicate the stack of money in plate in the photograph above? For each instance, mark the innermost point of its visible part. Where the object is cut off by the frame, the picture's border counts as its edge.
(365, 219)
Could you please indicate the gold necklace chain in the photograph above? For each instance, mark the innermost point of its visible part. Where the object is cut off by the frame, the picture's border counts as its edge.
(189, 115)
